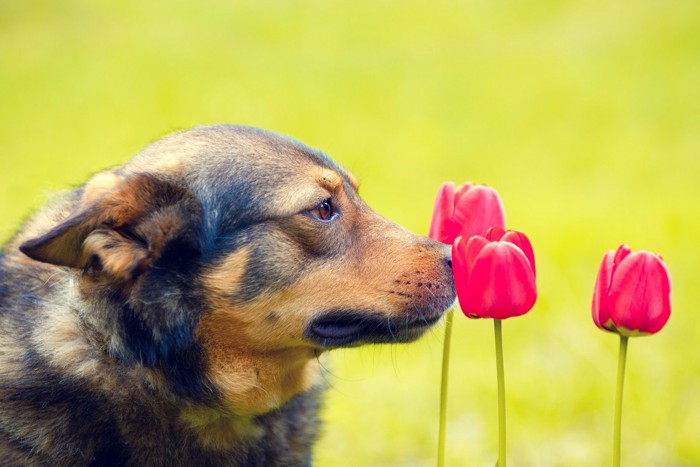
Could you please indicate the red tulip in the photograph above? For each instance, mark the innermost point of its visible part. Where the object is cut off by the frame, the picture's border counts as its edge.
(632, 293)
(470, 210)
(495, 275)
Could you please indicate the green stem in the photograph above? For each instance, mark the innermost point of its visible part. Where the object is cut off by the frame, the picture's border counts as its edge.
(618, 400)
(501, 395)
(443, 387)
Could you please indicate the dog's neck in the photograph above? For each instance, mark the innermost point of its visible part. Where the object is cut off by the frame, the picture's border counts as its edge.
(251, 385)
(254, 382)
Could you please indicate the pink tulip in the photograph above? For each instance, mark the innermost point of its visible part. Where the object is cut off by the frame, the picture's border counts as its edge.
(632, 293)
(470, 210)
(495, 275)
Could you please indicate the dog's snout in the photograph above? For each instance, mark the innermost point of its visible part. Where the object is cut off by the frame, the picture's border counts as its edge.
(443, 250)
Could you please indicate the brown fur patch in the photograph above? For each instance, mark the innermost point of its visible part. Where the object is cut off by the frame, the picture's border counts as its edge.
(119, 256)
(329, 180)
(225, 278)
(254, 379)
(254, 382)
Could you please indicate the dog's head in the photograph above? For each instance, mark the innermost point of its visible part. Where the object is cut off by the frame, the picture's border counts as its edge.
(234, 257)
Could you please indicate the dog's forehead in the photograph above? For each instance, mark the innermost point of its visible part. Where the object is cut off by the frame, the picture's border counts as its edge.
(235, 168)
(226, 147)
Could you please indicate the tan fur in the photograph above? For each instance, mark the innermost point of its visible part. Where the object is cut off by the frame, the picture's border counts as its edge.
(329, 180)
(225, 277)
(99, 186)
(253, 379)
(217, 430)
(119, 257)
(59, 338)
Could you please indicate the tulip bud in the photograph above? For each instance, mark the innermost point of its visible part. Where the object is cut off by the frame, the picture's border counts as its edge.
(632, 293)
(494, 275)
(470, 210)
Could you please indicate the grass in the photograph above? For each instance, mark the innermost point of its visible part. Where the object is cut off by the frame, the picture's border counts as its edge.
(583, 115)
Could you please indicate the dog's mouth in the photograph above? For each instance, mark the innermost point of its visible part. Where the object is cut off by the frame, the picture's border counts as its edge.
(347, 328)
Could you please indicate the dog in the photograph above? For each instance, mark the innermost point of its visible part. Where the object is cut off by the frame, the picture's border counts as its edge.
(174, 310)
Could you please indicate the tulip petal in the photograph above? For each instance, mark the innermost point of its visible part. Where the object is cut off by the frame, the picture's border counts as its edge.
(639, 295)
(601, 313)
(478, 209)
(474, 247)
(464, 252)
(460, 268)
(463, 188)
(495, 234)
(520, 240)
(621, 253)
(442, 226)
(501, 284)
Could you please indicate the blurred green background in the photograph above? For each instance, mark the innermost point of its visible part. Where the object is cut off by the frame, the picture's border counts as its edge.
(584, 115)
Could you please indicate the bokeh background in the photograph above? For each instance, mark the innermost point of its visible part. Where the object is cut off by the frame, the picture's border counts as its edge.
(584, 115)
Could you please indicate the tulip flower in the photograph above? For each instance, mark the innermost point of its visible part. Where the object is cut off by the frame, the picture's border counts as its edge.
(495, 278)
(495, 275)
(632, 297)
(467, 211)
(632, 293)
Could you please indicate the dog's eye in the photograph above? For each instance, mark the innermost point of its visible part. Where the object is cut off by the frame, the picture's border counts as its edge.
(324, 211)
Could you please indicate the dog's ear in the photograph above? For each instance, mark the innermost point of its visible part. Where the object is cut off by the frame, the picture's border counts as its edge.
(124, 231)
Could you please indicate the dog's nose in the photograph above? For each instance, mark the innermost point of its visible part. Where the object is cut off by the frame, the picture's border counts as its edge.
(448, 261)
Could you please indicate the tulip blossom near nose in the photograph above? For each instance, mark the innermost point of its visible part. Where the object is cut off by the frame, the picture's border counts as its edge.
(495, 274)
(632, 293)
(469, 210)
(632, 297)
(495, 278)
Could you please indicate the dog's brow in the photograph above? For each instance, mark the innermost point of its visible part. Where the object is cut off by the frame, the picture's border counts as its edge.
(331, 181)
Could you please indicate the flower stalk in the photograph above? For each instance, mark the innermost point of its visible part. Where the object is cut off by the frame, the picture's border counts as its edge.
(501, 394)
(617, 425)
(443, 387)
